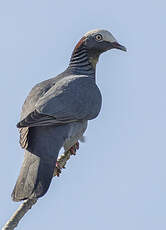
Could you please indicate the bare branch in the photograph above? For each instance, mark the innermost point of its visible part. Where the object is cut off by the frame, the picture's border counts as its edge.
(18, 215)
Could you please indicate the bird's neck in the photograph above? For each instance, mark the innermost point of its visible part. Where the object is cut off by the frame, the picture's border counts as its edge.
(82, 62)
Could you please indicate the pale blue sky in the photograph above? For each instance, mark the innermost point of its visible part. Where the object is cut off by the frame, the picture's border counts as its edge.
(118, 179)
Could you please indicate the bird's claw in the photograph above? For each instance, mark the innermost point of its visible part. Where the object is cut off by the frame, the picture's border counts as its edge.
(72, 152)
(58, 169)
(74, 148)
(77, 145)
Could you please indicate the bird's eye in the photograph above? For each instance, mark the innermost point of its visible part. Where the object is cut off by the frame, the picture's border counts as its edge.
(98, 37)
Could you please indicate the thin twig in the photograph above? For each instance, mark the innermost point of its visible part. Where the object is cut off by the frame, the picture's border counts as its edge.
(18, 215)
(27, 204)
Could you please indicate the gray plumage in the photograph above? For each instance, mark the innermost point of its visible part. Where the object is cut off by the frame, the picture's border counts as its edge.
(56, 112)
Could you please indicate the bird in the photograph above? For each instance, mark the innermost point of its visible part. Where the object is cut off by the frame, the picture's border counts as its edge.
(56, 113)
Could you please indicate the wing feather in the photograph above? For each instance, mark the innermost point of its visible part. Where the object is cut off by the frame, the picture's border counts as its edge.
(70, 99)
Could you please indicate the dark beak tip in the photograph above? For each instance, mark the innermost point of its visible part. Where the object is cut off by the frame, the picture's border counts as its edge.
(120, 47)
(124, 49)
(116, 45)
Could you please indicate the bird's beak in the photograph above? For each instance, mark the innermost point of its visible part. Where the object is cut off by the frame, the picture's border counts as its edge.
(116, 45)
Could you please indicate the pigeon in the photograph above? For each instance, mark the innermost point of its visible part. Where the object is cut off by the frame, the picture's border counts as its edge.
(56, 113)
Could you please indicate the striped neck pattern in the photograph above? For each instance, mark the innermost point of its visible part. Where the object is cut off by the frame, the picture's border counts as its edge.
(80, 62)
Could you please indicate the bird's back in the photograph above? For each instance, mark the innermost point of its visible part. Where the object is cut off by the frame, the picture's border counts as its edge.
(38, 91)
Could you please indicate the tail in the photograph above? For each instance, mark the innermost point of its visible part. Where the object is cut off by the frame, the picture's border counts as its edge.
(34, 179)
(39, 162)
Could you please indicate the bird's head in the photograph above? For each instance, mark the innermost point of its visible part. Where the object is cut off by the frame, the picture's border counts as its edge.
(99, 41)
(95, 42)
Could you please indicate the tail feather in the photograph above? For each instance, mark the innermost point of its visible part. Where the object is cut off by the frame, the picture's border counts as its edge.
(39, 162)
(34, 179)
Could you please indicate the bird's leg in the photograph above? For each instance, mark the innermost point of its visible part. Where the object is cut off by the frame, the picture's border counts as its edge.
(59, 164)
(74, 148)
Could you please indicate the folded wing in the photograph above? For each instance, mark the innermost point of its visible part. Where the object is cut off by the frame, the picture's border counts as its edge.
(71, 99)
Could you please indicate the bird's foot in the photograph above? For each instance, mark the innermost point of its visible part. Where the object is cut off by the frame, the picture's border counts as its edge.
(58, 169)
(74, 148)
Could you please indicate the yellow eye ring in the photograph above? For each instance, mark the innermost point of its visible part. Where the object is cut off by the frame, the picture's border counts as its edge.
(98, 37)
